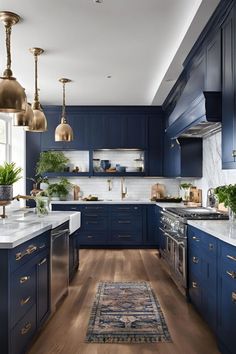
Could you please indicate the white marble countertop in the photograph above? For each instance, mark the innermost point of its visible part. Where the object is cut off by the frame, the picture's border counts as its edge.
(224, 230)
(21, 226)
(118, 201)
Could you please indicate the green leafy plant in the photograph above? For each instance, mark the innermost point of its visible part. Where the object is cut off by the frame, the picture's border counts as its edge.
(227, 195)
(185, 185)
(60, 189)
(9, 173)
(51, 161)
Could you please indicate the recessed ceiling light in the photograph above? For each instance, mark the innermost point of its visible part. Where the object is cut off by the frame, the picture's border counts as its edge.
(98, 1)
(109, 76)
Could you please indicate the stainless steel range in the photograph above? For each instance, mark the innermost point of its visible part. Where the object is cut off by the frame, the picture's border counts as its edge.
(173, 228)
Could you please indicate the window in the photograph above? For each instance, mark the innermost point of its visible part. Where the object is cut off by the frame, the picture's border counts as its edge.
(5, 134)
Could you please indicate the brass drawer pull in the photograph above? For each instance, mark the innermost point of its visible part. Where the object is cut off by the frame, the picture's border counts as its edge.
(26, 328)
(194, 284)
(24, 301)
(234, 297)
(31, 249)
(43, 261)
(195, 260)
(233, 258)
(195, 239)
(24, 279)
(232, 274)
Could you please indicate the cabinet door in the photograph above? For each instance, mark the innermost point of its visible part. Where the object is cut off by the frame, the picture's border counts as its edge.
(136, 131)
(43, 280)
(213, 64)
(116, 127)
(155, 145)
(228, 93)
(152, 225)
(172, 158)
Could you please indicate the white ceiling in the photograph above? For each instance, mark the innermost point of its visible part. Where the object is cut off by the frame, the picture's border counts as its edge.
(135, 41)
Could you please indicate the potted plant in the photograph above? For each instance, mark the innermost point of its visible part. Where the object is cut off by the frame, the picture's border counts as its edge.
(51, 161)
(227, 195)
(9, 174)
(185, 187)
(59, 191)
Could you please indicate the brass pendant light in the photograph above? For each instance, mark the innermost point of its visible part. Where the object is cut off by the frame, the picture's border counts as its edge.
(12, 94)
(64, 131)
(39, 122)
(23, 119)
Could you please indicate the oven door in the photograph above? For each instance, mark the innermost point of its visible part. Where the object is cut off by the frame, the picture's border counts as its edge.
(180, 262)
(169, 247)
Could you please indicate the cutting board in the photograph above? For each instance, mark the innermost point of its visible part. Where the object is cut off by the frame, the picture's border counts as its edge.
(195, 195)
(158, 191)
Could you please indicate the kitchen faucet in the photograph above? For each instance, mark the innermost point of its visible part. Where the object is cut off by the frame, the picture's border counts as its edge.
(123, 188)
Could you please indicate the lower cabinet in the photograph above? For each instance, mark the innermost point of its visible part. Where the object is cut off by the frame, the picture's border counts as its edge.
(25, 290)
(212, 284)
(111, 225)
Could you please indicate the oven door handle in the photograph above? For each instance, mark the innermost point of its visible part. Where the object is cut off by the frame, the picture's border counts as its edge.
(171, 237)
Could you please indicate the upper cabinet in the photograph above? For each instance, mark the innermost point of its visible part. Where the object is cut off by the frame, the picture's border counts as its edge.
(183, 157)
(228, 92)
(98, 128)
(155, 144)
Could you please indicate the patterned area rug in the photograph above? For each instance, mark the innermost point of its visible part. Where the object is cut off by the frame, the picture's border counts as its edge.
(126, 313)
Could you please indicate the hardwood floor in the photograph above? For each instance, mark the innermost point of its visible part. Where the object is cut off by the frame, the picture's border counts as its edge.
(66, 330)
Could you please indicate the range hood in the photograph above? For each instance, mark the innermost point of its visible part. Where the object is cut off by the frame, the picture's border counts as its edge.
(201, 118)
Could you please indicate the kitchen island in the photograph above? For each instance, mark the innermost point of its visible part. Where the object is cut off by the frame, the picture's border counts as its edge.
(26, 261)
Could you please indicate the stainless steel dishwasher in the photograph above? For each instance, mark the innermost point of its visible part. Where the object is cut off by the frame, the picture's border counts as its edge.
(59, 264)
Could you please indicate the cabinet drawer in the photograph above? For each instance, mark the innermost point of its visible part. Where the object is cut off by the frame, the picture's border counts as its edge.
(66, 207)
(94, 209)
(195, 292)
(121, 209)
(92, 238)
(209, 247)
(94, 223)
(23, 292)
(23, 332)
(126, 222)
(126, 237)
(228, 258)
(25, 252)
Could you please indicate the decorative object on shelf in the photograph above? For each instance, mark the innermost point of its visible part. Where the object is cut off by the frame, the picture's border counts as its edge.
(185, 189)
(121, 169)
(76, 169)
(23, 119)
(12, 94)
(64, 131)
(105, 164)
(51, 161)
(140, 163)
(227, 195)
(59, 191)
(9, 174)
(38, 123)
(96, 165)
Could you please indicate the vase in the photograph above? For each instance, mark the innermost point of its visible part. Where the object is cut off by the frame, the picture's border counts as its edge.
(42, 206)
(232, 216)
(6, 192)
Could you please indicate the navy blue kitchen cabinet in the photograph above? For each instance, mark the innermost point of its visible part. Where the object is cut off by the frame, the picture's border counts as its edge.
(25, 292)
(227, 298)
(115, 225)
(228, 92)
(212, 284)
(183, 157)
(155, 144)
(202, 261)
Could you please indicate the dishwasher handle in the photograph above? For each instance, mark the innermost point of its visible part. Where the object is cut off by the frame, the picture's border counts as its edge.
(57, 234)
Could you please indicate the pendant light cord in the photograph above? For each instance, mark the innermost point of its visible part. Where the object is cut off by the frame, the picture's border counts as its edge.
(63, 118)
(8, 72)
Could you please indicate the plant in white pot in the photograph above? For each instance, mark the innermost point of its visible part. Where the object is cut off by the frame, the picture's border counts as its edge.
(9, 174)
